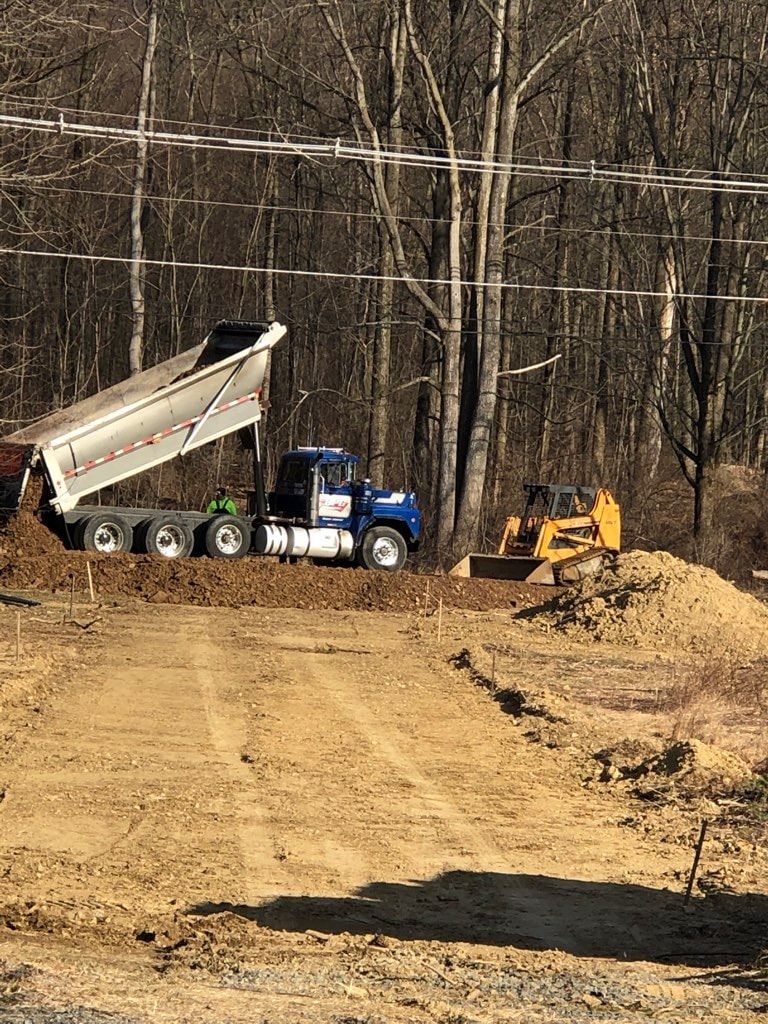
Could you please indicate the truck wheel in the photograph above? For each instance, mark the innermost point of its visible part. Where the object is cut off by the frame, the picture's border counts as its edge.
(168, 536)
(76, 531)
(227, 537)
(383, 548)
(107, 534)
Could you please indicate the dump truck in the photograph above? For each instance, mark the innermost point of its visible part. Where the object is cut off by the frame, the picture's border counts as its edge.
(319, 507)
(565, 533)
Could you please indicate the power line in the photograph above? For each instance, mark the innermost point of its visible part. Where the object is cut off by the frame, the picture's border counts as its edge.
(607, 166)
(508, 323)
(337, 275)
(344, 150)
(604, 233)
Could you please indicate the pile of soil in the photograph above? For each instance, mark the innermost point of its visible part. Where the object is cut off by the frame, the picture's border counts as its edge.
(696, 761)
(653, 599)
(685, 765)
(256, 581)
(23, 532)
(34, 558)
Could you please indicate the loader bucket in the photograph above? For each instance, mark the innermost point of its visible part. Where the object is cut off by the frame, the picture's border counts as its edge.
(505, 567)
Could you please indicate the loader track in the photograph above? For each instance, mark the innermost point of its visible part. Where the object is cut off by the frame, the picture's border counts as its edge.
(561, 570)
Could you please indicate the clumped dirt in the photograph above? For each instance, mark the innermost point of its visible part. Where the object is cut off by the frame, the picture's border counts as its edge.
(697, 760)
(24, 532)
(33, 557)
(257, 581)
(688, 765)
(652, 599)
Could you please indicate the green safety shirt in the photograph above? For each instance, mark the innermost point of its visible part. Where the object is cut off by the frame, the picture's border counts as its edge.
(224, 505)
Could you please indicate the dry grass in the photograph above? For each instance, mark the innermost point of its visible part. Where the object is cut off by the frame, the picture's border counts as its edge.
(707, 700)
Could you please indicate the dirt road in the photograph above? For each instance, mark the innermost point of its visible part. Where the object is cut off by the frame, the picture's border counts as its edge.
(329, 822)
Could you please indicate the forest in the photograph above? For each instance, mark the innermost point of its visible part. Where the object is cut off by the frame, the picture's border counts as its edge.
(431, 195)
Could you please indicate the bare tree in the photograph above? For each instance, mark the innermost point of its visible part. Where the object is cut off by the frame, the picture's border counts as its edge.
(136, 271)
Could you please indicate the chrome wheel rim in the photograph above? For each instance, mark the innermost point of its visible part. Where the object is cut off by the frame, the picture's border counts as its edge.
(229, 539)
(108, 538)
(170, 541)
(384, 552)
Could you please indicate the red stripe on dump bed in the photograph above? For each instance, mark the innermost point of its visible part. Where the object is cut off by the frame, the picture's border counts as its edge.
(154, 438)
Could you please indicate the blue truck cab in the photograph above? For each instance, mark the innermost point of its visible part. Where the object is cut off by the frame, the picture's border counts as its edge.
(321, 489)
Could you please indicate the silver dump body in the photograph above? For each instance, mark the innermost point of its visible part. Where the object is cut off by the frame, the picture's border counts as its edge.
(158, 415)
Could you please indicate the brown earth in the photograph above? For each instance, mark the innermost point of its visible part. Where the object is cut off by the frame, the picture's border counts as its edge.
(247, 814)
(23, 532)
(31, 557)
(257, 581)
(657, 600)
(697, 760)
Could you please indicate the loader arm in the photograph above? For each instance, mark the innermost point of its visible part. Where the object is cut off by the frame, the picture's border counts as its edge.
(511, 530)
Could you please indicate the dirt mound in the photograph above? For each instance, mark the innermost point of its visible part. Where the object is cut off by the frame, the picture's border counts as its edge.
(653, 599)
(624, 755)
(685, 765)
(257, 581)
(23, 532)
(692, 758)
(34, 558)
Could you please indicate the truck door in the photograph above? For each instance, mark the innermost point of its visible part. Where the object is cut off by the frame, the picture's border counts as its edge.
(335, 498)
(292, 488)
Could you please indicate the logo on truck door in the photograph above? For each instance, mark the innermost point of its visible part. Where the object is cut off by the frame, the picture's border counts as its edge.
(336, 506)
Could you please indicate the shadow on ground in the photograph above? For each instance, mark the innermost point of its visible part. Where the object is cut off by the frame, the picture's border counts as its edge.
(600, 919)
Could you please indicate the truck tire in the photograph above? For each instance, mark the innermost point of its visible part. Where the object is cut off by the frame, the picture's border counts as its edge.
(167, 536)
(106, 533)
(76, 531)
(383, 548)
(227, 537)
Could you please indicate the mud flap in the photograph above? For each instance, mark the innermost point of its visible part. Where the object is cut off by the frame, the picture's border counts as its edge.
(505, 567)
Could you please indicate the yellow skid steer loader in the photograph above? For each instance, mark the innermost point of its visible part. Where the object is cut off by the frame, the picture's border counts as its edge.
(565, 533)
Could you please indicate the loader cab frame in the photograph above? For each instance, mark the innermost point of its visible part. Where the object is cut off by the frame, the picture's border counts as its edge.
(551, 501)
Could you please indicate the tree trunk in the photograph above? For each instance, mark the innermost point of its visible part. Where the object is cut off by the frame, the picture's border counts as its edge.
(270, 306)
(380, 404)
(707, 448)
(136, 346)
(427, 406)
(649, 430)
(560, 313)
(444, 104)
(472, 338)
(467, 527)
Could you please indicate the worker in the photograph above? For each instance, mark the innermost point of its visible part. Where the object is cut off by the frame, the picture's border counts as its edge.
(222, 504)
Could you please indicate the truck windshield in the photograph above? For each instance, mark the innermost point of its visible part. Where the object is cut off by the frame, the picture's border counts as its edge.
(335, 474)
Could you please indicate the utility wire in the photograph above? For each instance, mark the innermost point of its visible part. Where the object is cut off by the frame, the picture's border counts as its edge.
(344, 150)
(605, 233)
(414, 149)
(508, 323)
(338, 275)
